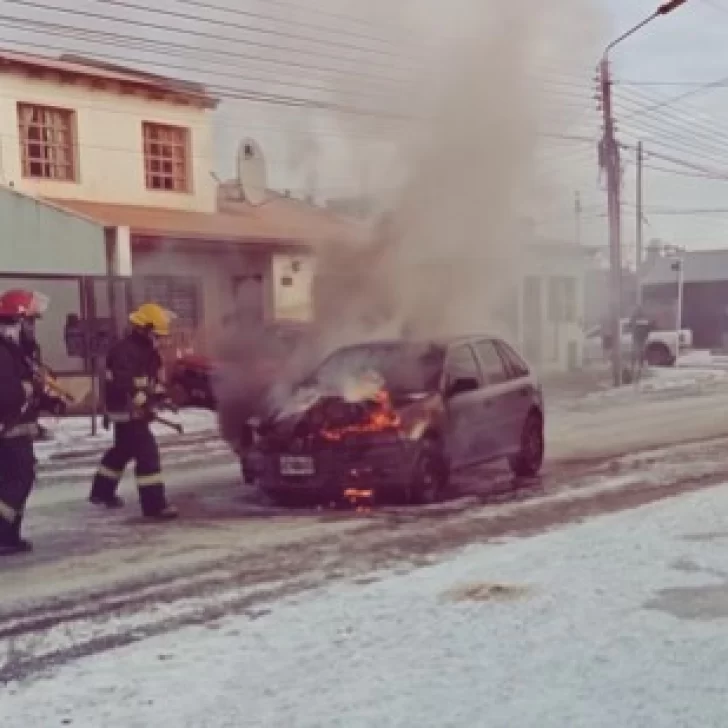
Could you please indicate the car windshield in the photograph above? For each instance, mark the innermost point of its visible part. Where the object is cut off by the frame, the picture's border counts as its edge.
(405, 368)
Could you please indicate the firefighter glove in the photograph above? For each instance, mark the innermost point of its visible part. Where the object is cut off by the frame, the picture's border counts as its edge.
(140, 399)
(53, 405)
(29, 389)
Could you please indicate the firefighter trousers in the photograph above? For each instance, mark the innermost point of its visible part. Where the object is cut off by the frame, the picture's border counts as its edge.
(17, 475)
(132, 441)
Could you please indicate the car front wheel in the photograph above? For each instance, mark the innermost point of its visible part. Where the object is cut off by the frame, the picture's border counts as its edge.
(527, 463)
(430, 477)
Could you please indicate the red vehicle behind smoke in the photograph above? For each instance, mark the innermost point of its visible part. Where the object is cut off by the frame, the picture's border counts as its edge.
(191, 377)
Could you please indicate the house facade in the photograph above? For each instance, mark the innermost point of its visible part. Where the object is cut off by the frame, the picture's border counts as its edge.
(107, 189)
(74, 129)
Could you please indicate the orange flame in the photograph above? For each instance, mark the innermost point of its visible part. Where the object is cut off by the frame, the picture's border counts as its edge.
(382, 418)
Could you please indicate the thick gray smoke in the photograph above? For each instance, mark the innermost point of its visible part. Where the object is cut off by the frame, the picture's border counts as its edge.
(451, 158)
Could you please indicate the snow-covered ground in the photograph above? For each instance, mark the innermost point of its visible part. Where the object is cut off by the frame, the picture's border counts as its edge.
(618, 621)
(73, 434)
(675, 380)
(704, 359)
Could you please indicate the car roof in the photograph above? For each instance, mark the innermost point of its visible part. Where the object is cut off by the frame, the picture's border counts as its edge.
(443, 342)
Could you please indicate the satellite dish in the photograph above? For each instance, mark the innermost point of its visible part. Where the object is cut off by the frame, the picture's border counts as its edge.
(251, 172)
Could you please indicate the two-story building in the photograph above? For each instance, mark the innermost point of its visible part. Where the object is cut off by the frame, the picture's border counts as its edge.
(105, 171)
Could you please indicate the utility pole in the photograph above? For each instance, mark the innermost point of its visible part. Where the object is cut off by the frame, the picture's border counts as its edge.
(638, 232)
(577, 217)
(609, 161)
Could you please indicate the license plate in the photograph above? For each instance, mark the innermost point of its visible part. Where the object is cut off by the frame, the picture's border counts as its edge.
(297, 465)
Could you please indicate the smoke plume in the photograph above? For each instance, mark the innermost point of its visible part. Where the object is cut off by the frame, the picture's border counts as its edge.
(452, 115)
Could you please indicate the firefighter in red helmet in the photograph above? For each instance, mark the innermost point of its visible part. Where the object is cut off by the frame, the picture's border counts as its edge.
(22, 398)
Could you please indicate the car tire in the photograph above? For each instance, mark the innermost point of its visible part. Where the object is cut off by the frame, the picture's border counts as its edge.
(430, 476)
(529, 460)
(658, 355)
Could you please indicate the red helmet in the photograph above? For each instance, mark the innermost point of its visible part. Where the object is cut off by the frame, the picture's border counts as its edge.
(18, 303)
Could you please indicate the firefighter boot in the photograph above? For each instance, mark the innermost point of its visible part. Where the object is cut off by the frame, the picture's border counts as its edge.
(168, 513)
(113, 501)
(11, 542)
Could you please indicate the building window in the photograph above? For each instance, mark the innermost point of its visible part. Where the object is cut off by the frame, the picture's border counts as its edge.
(47, 142)
(180, 294)
(166, 157)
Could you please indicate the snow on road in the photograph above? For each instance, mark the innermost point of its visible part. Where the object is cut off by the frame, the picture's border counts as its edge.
(73, 434)
(618, 621)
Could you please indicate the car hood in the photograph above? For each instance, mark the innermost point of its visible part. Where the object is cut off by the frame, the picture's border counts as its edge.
(312, 413)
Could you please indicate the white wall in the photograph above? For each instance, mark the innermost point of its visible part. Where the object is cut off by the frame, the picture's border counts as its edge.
(110, 147)
(557, 338)
(292, 287)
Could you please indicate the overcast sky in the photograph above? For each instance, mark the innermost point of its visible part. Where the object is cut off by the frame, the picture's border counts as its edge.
(686, 144)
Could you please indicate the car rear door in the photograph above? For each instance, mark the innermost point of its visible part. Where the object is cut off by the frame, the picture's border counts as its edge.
(521, 394)
(499, 400)
(464, 433)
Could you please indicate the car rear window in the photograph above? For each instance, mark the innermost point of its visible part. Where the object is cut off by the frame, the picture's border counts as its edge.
(516, 366)
(494, 371)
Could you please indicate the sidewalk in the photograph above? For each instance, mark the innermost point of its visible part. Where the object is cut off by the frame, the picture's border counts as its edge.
(72, 446)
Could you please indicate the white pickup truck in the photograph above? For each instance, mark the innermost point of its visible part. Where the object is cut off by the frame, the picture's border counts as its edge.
(662, 350)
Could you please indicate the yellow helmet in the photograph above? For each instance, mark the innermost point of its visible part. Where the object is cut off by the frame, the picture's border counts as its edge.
(152, 316)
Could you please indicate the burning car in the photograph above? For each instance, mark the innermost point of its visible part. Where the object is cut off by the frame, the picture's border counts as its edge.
(400, 416)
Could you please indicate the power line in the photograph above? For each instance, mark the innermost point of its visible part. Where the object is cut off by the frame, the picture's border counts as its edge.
(183, 31)
(162, 47)
(680, 97)
(301, 24)
(167, 48)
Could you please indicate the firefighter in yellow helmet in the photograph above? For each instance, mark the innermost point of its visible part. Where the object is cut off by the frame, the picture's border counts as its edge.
(132, 389)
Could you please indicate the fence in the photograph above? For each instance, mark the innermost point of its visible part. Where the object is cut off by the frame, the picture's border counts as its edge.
(86, 314)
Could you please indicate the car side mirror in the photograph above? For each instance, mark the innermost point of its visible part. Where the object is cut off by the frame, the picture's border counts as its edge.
(461, 385)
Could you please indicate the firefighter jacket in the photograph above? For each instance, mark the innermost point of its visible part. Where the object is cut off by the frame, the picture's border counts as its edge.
(133, 367)
(20, 395)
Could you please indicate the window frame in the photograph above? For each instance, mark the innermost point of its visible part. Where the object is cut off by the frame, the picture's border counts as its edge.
(503, 362)
(185, 145)
(71, 148)
(143, 289)
(510, 358)
(447, 379)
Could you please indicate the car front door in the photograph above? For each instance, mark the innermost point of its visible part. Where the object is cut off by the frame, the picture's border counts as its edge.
(464, 435)
(500, 401)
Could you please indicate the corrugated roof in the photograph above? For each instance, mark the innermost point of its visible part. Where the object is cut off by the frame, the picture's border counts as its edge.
(701, 266)
(279, 220)
(92, 69)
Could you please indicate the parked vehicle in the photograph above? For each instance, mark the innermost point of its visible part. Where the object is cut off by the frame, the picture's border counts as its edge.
(191, 377)
(662, 349)
(401, 416)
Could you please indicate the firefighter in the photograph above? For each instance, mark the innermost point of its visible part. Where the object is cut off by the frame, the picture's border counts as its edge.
(641, 326)
(132, 390)
(22, 397)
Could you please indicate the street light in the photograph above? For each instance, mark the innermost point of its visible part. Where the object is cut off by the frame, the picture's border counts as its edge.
(609, 160)
(664, 9)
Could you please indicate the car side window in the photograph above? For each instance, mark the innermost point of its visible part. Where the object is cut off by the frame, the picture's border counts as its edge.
(517, 368)
(494, 371)
(461, 364)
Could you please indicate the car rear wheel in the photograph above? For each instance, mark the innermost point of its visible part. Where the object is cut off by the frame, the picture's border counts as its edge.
(430, 477)
(527, 463)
